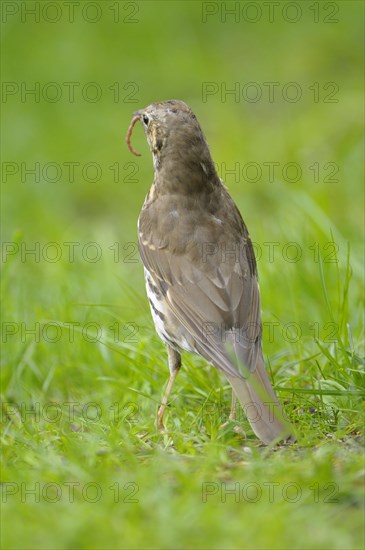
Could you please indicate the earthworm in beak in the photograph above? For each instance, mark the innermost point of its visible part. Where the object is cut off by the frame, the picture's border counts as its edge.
(129, 135)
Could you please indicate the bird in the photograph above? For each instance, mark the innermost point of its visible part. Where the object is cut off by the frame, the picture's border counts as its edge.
(200, 269)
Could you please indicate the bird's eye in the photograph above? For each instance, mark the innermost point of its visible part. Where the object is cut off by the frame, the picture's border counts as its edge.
(145, 119)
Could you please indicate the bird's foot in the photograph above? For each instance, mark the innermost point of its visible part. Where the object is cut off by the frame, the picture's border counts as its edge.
(237, 429)
(160, 422)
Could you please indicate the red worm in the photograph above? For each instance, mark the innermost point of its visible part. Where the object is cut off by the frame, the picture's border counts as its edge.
(129, 135)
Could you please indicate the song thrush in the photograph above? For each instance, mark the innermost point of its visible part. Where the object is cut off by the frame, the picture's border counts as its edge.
(200, 268)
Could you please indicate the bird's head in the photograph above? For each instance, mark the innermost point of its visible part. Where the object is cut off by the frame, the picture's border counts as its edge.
(173, 134)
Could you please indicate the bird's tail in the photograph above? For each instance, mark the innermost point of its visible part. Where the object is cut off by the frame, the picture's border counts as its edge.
(261, 405)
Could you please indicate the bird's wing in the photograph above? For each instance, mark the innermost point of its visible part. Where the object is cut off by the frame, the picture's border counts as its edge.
(216, 299)
(217, 302)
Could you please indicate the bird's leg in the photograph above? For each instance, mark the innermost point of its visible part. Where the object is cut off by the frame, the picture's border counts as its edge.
(174, 366)
(232, 417)
(232, 414)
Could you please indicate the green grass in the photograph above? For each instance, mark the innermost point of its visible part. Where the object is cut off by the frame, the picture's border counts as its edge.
(79, 430)
(83, 371)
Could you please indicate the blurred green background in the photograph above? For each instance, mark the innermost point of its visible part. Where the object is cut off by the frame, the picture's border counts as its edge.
(118, 57)
(169, 52)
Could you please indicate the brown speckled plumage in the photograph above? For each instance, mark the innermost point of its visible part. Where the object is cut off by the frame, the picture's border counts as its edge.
(201, 275)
